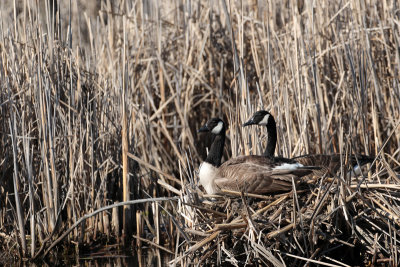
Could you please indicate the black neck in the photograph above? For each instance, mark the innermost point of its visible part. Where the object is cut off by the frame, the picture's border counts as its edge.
(217, 149)
(271, 129)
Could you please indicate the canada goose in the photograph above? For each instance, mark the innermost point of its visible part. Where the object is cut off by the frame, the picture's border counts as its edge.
(325, 162)
(252, 174)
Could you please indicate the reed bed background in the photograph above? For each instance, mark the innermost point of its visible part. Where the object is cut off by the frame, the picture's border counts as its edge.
(100, 103)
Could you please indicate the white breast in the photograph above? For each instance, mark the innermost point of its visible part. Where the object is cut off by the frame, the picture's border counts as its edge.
(207, 175)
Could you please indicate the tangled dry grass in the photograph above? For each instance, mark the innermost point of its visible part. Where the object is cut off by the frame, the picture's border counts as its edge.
(328, 223)
(100, 104)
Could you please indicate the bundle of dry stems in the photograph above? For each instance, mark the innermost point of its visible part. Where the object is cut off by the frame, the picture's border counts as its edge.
(100, 102)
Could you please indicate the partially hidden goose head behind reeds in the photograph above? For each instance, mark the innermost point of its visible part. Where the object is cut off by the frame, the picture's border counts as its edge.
(327, 163)
(264, 118)
(251, 174)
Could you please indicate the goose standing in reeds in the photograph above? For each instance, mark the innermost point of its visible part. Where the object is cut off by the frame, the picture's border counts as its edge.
(251, 174)
(327, 163)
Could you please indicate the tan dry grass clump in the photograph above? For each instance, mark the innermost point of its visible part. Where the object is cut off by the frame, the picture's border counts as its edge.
(329, 74)
(326, 222)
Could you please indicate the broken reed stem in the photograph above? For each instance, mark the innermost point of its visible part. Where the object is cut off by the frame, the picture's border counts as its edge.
(197, 246)
(152, 244)
(139, 228)
(281, 231)
(151, 167)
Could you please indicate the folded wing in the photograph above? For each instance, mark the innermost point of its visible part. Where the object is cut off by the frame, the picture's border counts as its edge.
(258, 174)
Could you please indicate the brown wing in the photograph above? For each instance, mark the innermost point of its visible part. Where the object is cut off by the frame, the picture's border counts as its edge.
(325, 162)
(258, 160)
(248, 175)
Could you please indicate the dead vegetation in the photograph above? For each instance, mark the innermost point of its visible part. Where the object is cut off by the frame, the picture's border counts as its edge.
(88, 98)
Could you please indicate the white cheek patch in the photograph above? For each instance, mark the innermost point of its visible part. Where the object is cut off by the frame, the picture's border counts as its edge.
(217, 129)
(264, 121)
(289, 166)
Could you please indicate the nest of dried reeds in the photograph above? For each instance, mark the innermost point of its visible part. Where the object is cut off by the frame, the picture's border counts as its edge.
(335, 220)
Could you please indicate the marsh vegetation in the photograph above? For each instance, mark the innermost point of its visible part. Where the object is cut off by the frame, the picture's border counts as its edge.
(100, 103)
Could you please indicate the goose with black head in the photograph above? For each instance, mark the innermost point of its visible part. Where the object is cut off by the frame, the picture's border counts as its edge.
(251, 174)
(325, 162)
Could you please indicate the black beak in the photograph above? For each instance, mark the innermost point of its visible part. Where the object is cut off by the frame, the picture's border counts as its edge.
(249, 122)
(203, 129)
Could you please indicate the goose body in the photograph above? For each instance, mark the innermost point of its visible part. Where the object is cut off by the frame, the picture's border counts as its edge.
(331, 162)
(251, 174)
(326, 163)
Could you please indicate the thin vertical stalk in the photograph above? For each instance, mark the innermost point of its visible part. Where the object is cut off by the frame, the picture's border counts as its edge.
(20, 214)
(28, 164)
(51, 131)
(70, 127)
(48, 185)
(125, 167)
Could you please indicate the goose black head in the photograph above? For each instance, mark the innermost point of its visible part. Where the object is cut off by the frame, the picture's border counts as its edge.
(214, 125)
(261, 117)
